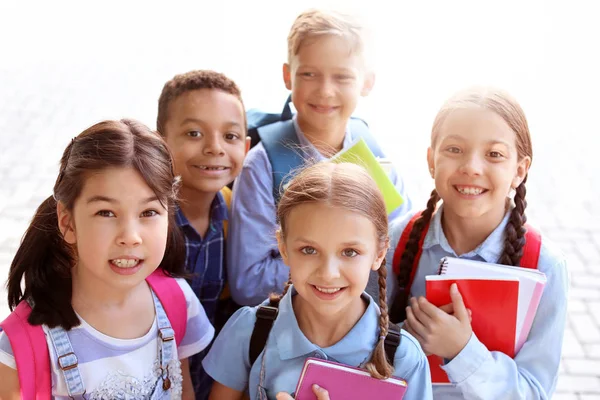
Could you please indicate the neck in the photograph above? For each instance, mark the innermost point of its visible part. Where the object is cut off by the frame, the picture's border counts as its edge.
(93, 294)
(195, 204)
(325, 330)
(466, 234)
(328, 140)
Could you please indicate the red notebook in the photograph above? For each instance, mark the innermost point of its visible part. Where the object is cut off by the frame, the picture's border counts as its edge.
(344, 382)
(493, 304)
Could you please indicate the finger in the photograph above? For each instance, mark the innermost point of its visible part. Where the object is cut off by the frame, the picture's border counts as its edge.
(448, 308)
(321, 393)
(283, 396)
(419, 330)
(431, 312)
(415, 305)
(460, 311)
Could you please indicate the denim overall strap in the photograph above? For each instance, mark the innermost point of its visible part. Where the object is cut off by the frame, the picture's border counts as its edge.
(165, 346)
(67, 362)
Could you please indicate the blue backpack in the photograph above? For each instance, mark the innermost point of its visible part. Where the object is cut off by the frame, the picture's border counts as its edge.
(277, 133)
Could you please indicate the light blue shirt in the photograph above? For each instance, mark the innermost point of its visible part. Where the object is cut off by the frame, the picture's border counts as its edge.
(254, 266)
(287, 348)
(476, 372)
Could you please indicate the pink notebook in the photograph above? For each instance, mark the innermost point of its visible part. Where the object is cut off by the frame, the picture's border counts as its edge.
(344, 382)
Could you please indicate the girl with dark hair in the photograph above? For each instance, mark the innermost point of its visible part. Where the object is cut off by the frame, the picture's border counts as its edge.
(87, 262)
(479, 157)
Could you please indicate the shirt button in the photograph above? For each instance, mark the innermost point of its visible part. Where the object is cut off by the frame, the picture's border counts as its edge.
(319, 354)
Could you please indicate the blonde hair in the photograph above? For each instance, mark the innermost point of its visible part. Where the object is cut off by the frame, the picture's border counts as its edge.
(505, 106)
(315, 23)
(349, 187)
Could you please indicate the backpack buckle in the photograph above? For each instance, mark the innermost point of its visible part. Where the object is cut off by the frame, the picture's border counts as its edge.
(166, 334)
(267, 312)
(68, 361)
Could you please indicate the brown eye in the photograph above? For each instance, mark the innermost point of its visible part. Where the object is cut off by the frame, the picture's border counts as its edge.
(349, 253)
(308, 250)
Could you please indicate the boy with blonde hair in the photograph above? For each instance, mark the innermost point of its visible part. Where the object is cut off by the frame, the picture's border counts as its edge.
(327, 73)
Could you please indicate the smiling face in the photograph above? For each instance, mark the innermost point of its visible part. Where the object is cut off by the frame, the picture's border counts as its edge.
(330, 252)
(118, 227)
(326, 78)
(206, 132)
(475, 163)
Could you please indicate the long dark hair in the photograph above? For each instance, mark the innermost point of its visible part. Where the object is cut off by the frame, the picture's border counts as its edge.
(44, 259)
(506, 107)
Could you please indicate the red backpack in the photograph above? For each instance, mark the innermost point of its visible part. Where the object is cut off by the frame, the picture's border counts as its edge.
(30, 349)
(531, 250)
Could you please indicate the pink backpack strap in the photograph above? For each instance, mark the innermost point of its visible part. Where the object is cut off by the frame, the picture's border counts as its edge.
(531, 251)
(30, 350)
(172, 299)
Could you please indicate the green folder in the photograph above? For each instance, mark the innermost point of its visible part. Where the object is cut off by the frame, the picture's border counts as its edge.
(360, 154)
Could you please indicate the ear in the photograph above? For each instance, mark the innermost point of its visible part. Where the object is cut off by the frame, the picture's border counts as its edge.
(368, 84)
(522, 170)
(65, 223)
(248, 142)
(282, 247)
(430, 163)
(287, 76)
(381, 255)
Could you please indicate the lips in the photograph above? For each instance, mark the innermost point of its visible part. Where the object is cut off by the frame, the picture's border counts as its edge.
(212, 167)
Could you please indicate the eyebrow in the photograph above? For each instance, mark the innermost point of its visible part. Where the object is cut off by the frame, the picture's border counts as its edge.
(347, 244)
(496, 141)
(199, 121)
(97, 199)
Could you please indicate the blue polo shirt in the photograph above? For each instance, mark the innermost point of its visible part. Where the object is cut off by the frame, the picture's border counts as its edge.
(287, 348)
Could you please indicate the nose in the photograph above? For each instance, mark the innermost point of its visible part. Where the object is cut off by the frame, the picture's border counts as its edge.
(329, 270)
(327, 88)
(213, 145)
(472, 165)
(129, 234)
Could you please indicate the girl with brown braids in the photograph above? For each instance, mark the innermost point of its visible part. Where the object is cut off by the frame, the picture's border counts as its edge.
(479, 157)
(334, 231)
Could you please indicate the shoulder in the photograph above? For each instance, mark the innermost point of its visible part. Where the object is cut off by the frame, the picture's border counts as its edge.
(409, 350)
(257, 157)
(188, 293)
(553, 262)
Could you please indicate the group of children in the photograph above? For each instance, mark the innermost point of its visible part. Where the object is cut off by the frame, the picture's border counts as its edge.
(142, 254)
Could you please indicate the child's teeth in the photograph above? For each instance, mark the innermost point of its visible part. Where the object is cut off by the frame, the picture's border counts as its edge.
(125, 263)
(471, 191)
(325, 290)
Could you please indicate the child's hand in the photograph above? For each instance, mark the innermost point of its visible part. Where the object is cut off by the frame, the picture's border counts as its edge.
(438, 332)
(321, 394)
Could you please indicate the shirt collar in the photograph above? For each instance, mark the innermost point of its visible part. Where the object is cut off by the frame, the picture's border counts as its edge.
(352, 349)
(490, 250)
(305, 143)
(218, 212)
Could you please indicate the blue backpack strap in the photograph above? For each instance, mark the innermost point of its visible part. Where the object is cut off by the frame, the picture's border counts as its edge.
(283, 149)
(359, 128)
